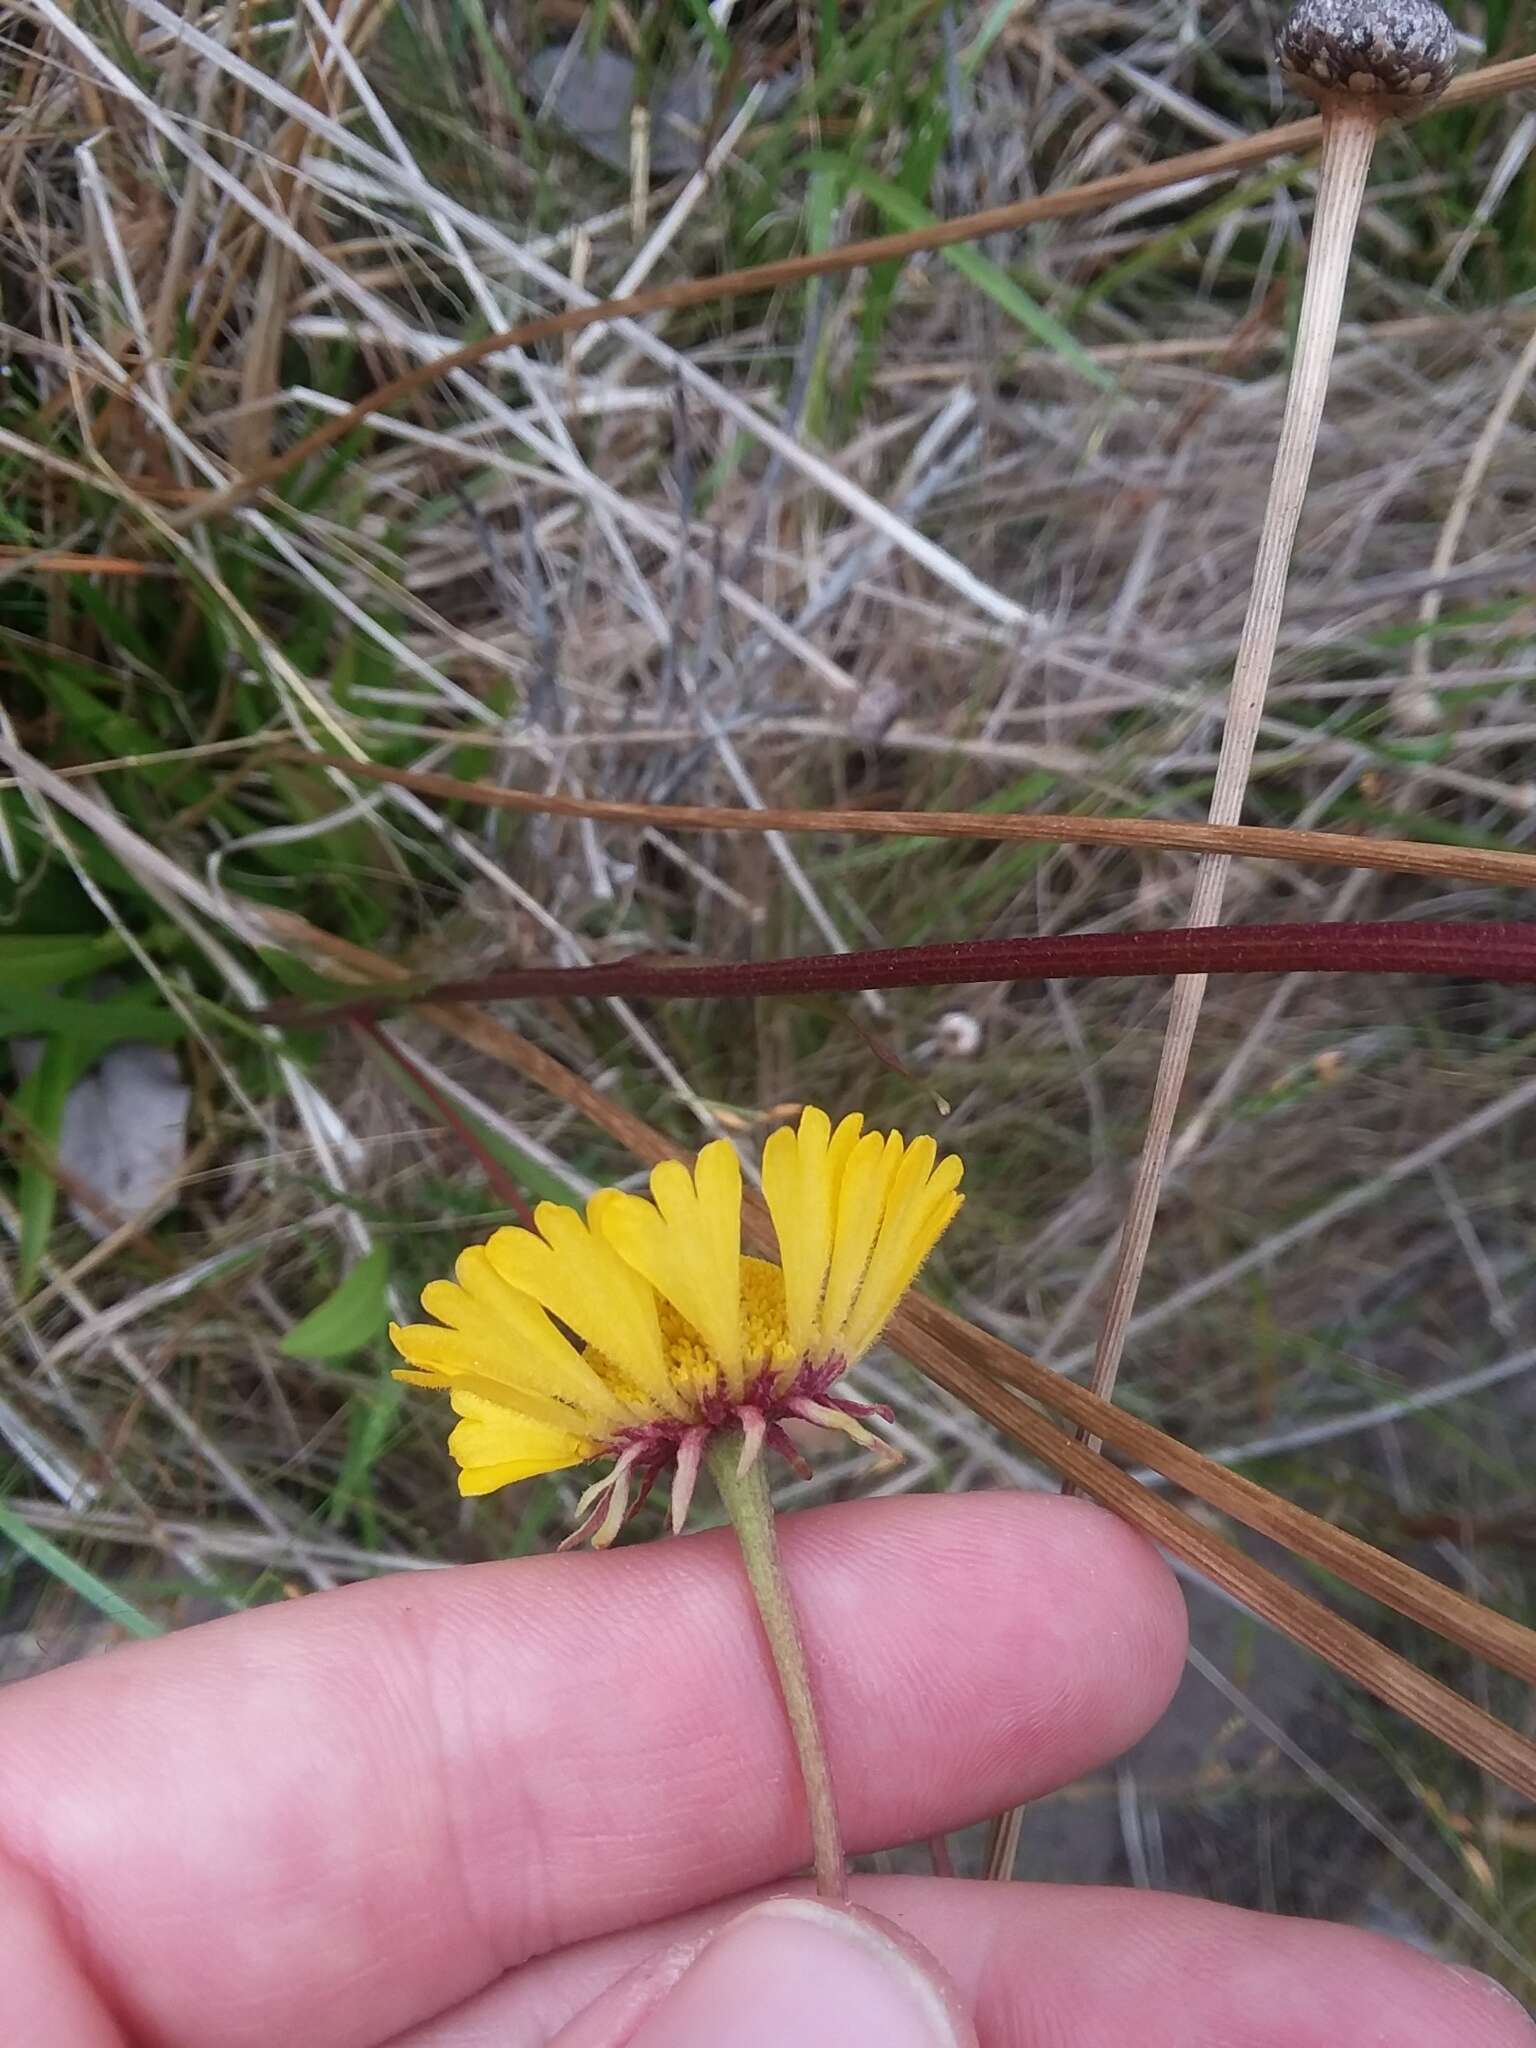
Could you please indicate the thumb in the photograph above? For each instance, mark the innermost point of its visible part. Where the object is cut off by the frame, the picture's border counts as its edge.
(796, 1971)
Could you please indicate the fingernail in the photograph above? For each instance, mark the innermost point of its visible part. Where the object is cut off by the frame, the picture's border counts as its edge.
(793, 1973)
(1495, 1993)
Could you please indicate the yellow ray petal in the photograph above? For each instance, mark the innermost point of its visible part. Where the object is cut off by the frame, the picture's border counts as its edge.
(542, 1409)
(439, 1356)
(916, 1218)
(576, 1275)
(494, 1447)
(903, 1197)
(434, 1380)
(521, 1344)
(797, 1187)
(687, 1244)
(865, 1180)
(452, 1359)
(840, 1150)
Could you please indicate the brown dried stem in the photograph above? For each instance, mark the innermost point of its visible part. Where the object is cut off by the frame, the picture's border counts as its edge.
(1477, 1735)
(1480, 866)
(1292, 136)
(1496, 1637)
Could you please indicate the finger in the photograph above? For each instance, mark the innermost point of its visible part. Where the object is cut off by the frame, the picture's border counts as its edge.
(1075, 1967)
(43, 1996)
(802, 1971)
(344, 1815)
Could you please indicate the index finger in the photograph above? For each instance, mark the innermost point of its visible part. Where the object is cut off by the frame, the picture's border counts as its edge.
(337, 1818)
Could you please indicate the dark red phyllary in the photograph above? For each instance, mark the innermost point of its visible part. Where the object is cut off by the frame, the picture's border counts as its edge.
(1401, 53)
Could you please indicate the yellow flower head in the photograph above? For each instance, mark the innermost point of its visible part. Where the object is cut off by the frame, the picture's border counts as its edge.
(639, 1332)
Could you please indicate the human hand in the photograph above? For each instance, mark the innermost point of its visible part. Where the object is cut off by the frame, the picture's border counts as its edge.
(514, 1804)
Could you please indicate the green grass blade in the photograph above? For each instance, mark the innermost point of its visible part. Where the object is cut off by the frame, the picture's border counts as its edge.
(78, 1577)
(907, 212)
(372, 1417)
(352, 1314)
(1002, 11)
(45, 959)
(39, 1107)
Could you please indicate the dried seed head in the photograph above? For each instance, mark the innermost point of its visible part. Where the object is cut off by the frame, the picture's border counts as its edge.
(958, 1035)
(1398, 54)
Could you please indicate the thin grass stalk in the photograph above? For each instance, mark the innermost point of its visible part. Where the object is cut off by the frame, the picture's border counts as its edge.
(1496, 867)
(1221, 161)
(1497, 1638)
(396, 1057)
(1476, 1735)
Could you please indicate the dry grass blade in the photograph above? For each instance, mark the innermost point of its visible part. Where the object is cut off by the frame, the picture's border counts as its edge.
(922, 1332)
(1467, 493)
(1491, 82)
(1484, 1741)
(501, 1182)
(1497, 867)
(1487, 1634)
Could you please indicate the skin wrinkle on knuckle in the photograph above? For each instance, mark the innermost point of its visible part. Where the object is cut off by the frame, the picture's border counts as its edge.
(438, 1677)
(1358, 1986)
(1117, 1632)
(49, 1902)
(1070, 1685)
(1003, 2019)
(701, 1627)
(458, 1735)
(1242, 1975)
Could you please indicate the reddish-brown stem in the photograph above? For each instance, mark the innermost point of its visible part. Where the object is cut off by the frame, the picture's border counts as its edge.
(1482, 952)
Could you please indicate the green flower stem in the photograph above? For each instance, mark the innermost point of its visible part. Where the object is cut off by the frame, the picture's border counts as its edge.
(746, 1501)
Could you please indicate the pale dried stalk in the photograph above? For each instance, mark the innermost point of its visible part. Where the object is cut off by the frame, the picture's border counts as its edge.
(1349, 136)
(1472, 478)
(1496, 1637)
(1508, 1754)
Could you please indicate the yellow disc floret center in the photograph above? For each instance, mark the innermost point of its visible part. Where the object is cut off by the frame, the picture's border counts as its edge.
(693, 1367)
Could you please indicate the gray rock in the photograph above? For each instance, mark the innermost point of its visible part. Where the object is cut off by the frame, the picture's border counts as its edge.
(593, 93)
